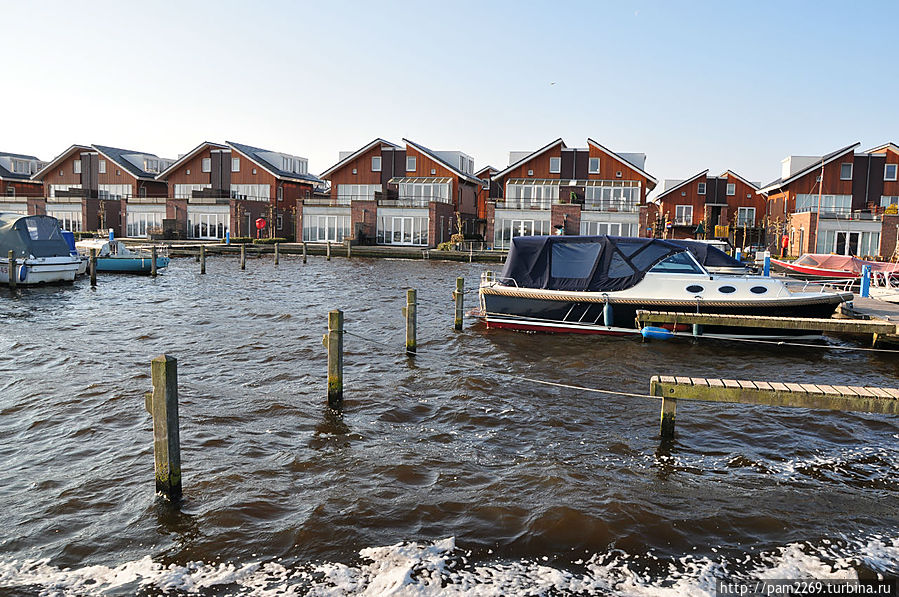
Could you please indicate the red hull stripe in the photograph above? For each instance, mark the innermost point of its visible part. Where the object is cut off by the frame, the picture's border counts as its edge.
(558, 329)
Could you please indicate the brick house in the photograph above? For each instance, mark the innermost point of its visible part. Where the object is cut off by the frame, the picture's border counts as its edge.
(566, 190)
(704, 206)
(15, 179)
(220, 189)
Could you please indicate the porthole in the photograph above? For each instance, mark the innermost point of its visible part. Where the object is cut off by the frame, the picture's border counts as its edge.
(758, 289)
(694, 288)
(727, 289)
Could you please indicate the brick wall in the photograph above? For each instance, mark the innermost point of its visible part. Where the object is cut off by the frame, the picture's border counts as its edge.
(363, 214)
(571, 223)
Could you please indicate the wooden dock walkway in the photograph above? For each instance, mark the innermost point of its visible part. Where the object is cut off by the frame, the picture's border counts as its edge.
(849, 326)
(867, 399)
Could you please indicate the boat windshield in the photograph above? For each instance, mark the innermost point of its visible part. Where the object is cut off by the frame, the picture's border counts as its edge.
(43, 228)
(679, 263)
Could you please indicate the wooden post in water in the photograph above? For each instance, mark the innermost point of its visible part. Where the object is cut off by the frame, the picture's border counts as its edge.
(669, 409)
(411, 314)
(243, 256)
(329, 251)
(202, 259)
(349, 248)
(153, 259)
(93, 267)
(162, 403)
(334, 343)
(458, 294)
(11, 266)
(304, 251)
(277, 252)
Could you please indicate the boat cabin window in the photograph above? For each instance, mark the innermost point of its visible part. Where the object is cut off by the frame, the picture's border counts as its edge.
(679, 263)
(42, 228)
(573, 260)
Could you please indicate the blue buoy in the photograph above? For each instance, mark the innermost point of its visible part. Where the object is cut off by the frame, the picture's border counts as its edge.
(650, 332)
(608, 316)
(866, 281)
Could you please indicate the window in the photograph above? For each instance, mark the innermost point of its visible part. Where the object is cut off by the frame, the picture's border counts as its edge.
(102, 166)
(21, 167)
(845, 171)
(376, 163)
(745, 216)
(348, 192)
(10, 191)
(235, 164)
(731, 189)
(280, 222)
(829, 203)
(889, 171)
(206, 166)
(76, 166)
(594, 166)
(612, 196)
(555, 165)
(683, 214)
(531, 196)
(410, 163)
(280, 194)
(416, 194)
(701, 188)
(679, 263)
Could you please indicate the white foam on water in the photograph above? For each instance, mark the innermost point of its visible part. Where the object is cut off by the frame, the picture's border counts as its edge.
(439, 568)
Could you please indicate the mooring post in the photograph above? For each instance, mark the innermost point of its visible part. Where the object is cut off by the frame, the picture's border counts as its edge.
(12, 268)
(304, 251)
(411, 314)
(669, 409)
(766, 268)
(697, 330)
(458, 295)
(243, 256)
(153, 260)
(202, 259)
(162, 403)
(93, 267)
(329, 251)
(334, 343)
(866, 281)
(349, 248)
(277, 252)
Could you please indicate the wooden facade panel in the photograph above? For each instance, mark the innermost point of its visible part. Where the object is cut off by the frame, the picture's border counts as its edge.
(891, 187)
(363, 175)
(20, 188)
(808, 183)
(609, 167)
(191, 171)
(425, 166)
(64, 172)
(538, 164)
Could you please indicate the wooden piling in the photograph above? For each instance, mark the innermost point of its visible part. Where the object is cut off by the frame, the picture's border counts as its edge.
(304, 251)
(334, 343)
(411, 313)
(458, 295)
(277, 252)
(669, 409)
(93, 267)
(11, 266)
(162, 403)
(349, 249)
(243, 256)
(202, 259)
(329, 251)
(153, 261)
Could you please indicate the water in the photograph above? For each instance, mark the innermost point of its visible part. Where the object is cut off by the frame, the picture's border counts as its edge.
(442, 476)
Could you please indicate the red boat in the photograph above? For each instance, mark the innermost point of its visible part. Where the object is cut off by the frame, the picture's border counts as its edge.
(822, 265)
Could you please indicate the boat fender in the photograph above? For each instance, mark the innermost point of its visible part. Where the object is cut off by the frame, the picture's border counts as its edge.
(23, 273)
(608, 316)
(650, 332)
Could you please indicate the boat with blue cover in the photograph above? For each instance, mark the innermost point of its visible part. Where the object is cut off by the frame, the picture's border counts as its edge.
(40, 254)
(115, 256)
(596, 284)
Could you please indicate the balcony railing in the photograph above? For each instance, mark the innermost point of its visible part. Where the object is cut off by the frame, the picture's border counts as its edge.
(412, 201)
(619, 206)
(525, 204)
(331, 202)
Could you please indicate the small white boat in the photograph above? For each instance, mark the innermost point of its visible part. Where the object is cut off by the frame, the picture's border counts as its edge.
(40, 254)
(884, 287)
(115, 256)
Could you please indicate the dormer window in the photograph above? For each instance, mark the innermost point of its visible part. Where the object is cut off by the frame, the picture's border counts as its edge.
(149, 165)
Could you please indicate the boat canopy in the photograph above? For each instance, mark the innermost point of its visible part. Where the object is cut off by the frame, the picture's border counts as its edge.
(708, 255)
(845, 263)
(590, 263)
(31, 236)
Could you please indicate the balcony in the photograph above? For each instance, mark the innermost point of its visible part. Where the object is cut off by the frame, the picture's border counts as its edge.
(526, 204)
(415, 201)
(331, 202)
(623, 206)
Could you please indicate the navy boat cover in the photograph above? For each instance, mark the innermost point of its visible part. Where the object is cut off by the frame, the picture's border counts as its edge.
(708, 255)
(37, 236)
(590, 263)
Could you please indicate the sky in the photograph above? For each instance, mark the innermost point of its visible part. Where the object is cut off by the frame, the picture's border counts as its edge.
(693, 85)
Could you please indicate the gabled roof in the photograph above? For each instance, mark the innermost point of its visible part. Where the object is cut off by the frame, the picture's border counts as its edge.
(681, 184)
(254, 155)
(529, 157)
(356, 154)
(780, 182)
(187, 157)
(116, 155)
(51, 165)
(728, 173)
(884, 147)
(8, 174)
(618, 157)
(487, 168)
(440, 160)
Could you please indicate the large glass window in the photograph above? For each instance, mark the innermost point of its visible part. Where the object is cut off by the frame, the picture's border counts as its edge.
(531, 196)
(419, 194)
(507, 229)
(142, 224)
(589, 228)
(402, 230)
(829, 203)
(68, 219)
(612, 196)
(207, 225)
(323, 228)
(348, 192)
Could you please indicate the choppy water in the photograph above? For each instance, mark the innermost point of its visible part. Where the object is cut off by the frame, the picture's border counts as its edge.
(440, 476)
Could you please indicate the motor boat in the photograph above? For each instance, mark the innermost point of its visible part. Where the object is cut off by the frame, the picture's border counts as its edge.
(826, 266)
(115, 256)
(69, 237)
(40, 255)
(596, 284)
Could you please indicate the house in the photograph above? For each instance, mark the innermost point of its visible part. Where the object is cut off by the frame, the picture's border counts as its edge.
(565, 190)
(485, 174)
(395, 195)
(220, 189)
(836, 203)
(91, 187)
(15, 180)
(725, 206)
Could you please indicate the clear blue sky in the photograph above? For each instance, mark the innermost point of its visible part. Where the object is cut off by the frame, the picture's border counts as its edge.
(693, 85)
